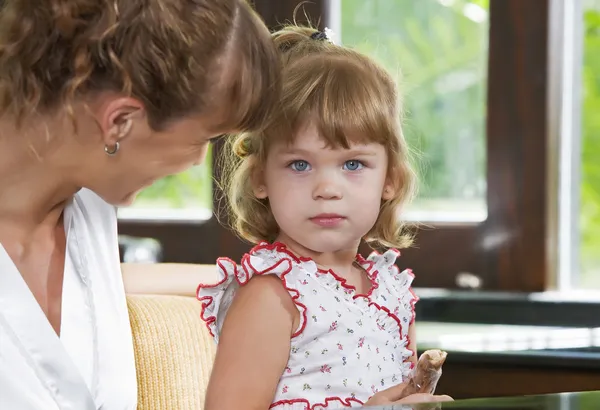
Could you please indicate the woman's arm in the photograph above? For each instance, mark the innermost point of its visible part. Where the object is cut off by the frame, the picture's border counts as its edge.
(254, 347)
(166, 278)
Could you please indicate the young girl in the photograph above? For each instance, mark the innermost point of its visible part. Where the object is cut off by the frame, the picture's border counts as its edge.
(303, 322)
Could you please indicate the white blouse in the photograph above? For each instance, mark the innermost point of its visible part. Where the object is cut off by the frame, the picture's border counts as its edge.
(91, 365)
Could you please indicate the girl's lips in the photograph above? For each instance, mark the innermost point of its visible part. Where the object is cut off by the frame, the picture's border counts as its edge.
(327, 220)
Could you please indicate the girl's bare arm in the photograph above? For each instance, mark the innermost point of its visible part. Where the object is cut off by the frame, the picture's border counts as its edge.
(254, 347)
(412, 343)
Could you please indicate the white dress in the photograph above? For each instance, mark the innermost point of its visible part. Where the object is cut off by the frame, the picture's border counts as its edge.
(91, 366)
(347, 346)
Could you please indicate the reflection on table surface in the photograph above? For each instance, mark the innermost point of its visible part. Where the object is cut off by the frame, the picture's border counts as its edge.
(563, 401)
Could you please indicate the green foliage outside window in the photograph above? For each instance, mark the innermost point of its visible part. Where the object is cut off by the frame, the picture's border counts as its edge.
(590, 185)
(438, 51)
(190, 189)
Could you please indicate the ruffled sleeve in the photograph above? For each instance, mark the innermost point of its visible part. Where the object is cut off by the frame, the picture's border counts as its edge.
(398, 284)
(264, 259)
(216, 298)
(395, 292)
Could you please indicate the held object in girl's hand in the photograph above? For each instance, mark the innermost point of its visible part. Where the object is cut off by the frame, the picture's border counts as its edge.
(426, 373)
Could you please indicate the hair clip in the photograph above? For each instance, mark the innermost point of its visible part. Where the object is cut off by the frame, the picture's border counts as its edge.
(329, 34)
(318, 35)
(326, 34)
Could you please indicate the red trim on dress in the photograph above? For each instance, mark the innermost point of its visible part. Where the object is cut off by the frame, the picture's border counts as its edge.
(329, 400)
(282, 248)
(208, 300)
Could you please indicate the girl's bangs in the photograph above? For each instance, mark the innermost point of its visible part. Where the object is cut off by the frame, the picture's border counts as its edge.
(347, 102)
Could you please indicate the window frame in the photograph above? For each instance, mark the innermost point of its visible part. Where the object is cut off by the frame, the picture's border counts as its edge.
(510, 250)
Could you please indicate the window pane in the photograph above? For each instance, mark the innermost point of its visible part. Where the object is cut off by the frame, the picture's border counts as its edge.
(438, 48)
(182, 197)
(590, 185)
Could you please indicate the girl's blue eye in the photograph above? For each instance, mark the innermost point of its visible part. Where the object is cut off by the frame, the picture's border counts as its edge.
(300, 166)
(353, 165)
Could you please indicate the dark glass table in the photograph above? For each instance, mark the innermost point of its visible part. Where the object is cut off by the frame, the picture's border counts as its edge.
(563, 401)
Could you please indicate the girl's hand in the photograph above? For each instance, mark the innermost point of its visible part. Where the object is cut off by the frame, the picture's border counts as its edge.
(392, 396)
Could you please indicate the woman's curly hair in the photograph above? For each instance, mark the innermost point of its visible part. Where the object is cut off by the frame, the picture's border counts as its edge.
(176, 56)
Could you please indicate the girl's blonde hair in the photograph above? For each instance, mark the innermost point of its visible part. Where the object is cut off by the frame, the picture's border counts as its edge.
(350, 99)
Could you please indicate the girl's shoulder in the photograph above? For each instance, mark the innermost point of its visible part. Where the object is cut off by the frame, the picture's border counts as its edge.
(263, 260)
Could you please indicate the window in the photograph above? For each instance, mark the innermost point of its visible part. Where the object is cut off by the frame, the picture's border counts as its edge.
(574, 102)
(186, 197)
(476, 80)
(507, 248)
(589, 220)
(585, 146)
(439, 49)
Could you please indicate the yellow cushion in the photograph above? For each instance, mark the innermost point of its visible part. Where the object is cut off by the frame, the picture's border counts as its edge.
(174, 352)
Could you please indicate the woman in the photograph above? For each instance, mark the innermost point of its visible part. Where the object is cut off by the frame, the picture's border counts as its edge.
(98, 99)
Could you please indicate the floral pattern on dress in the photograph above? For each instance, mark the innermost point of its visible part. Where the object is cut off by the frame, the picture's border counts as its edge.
(348, 346)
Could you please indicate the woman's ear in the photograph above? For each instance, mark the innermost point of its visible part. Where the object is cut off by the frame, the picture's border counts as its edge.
(118, 117)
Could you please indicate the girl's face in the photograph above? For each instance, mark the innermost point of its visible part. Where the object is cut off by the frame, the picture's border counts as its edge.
(325, 199)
